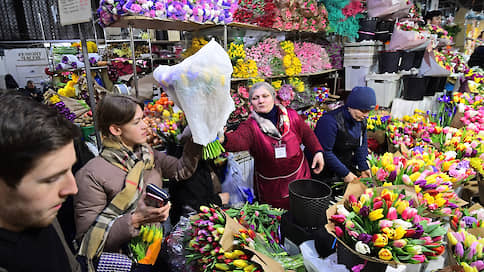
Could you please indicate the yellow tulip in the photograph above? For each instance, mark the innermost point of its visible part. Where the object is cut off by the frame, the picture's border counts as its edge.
(381, 240)
(399, 233)
(376, 214)
(385, 254)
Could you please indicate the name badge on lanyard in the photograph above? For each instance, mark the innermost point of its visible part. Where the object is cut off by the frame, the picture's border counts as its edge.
(280, 151)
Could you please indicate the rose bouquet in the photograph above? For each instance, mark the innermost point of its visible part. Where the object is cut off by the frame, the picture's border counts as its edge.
(385, 225)
(467, 247)
(313, 115)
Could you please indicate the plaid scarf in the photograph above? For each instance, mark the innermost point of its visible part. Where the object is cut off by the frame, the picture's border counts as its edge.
(119, 155)
(268, 128)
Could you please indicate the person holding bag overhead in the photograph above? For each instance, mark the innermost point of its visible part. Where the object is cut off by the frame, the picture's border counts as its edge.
(273, 135)
(110, 206)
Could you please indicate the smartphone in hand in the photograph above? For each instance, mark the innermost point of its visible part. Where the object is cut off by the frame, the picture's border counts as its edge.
(155, 196)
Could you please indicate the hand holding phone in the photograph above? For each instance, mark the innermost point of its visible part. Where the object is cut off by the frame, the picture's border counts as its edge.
(155, 196)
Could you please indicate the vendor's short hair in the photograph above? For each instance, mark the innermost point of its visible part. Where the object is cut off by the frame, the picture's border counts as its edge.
(115, 110)
(29, 130)
(431, 14)
(264, 85)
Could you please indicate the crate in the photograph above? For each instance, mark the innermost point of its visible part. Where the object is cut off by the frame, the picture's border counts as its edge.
(355, 75)
(359, 59)
(386, 87)
(364, 47)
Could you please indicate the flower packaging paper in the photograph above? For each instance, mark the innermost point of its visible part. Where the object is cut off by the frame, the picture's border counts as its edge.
(392, 231)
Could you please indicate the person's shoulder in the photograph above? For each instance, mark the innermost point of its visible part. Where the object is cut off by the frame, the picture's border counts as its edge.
(96, 166)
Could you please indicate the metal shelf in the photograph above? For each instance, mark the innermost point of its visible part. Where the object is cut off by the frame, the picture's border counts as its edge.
(79, 69)
(159, 24)
(300, 75)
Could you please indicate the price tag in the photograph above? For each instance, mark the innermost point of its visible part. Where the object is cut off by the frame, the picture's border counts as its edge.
(280, 151)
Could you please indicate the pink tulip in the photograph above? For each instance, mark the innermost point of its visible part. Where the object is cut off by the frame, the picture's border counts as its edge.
(385, 224)
(352, 199)
(392, 214)
(377, 205)
(427, 239)
(406, 179)
(338, 231)
(381, 174)
(419, 258)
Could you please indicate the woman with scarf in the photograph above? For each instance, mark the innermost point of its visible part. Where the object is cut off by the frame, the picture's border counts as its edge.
(110, 205)
(273, 135)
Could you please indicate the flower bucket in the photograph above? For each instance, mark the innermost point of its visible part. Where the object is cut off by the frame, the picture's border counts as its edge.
(367, 29)
(388, 61)
(434, 84)
(417, 60)
(407, 61)
(308, 202)
(350, 260)
(413, 88)
(385, 25)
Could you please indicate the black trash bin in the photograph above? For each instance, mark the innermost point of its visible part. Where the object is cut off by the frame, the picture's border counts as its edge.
(388, 61)
(407, 61)
(413, 87)
(308, 202)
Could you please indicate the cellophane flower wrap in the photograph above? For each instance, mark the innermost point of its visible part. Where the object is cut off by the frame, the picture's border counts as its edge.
(385, 225)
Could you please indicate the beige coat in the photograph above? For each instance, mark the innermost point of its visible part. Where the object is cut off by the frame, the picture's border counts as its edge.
(99, 181)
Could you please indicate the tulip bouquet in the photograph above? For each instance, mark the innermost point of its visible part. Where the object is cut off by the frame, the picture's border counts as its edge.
(312, 56)
(470, 99)
(219, 243)
(291, 62)
(468, 249)
(468, 218)
(263, 53)
(313, 115)
(385, 225)
(378, 122)
(147, 245)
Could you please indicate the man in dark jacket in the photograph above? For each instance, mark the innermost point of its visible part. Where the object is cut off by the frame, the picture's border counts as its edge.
(35, 180)
(342, 134)
(477, 58)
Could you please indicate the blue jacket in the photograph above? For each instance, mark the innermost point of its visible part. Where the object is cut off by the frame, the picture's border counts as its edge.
(326, 131)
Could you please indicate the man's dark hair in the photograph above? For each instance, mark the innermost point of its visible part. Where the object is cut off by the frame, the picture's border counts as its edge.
(431, 14)
(28, 131)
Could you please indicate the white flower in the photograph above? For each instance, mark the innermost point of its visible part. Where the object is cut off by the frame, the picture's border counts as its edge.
(450, 155)
(362, 248)
(401, 223)
(342, 210)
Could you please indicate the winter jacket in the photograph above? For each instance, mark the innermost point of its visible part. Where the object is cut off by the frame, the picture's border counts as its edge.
(272, 176)
(99, 181)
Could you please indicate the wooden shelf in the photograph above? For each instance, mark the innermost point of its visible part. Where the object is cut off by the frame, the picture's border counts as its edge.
(160, 24)
(300, 75)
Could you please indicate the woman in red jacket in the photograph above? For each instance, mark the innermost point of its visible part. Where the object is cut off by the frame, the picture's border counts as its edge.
(273, 135)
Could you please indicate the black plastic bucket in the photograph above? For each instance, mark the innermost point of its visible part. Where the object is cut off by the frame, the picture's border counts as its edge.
(349, 259)
(365, 36)
(434, 84)
(407, 61)
(413, 87)
(417, 60)
(383, 36)
(388, 61)
(385, 26)
(368, 25)
(308, 202)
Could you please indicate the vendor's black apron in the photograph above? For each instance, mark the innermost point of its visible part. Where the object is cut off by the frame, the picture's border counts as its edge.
(344, 148)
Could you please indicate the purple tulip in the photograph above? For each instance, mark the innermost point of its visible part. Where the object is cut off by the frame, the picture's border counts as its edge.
(365, 238)
(452, 205)
(472, 250)
(418, 232)
(365, 211)
(469, 220)
(459, 250)
(392, 176)
(478, 264)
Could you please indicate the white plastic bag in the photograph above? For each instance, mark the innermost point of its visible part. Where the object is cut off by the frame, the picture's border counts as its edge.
(200, 86)
(239, 188)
